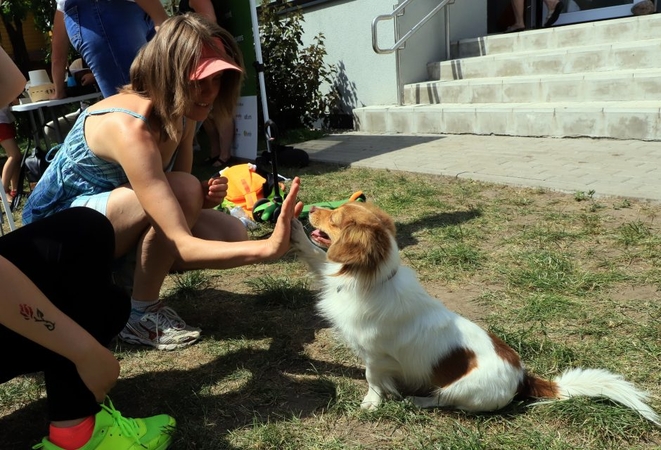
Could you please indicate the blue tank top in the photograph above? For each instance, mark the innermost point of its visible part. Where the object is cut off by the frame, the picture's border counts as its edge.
(75, 171)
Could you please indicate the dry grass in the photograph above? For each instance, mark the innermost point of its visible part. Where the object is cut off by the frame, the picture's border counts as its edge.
(567, 280)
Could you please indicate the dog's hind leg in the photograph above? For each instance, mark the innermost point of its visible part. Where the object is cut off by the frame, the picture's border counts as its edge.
(427, 402)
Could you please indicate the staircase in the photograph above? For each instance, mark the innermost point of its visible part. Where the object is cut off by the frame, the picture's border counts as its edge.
(599, 79)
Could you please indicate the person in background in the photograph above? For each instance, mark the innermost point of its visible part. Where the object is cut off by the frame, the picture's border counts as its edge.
(219, 130)
(12, 83)
(55, 324)
(554, 9)
(59, 53)
(130, 157)
(11, 169)
(108, 45)
(59, 58)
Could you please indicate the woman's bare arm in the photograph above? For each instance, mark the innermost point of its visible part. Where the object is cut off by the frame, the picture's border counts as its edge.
(12, 81)
(129, 142)
(25, 310)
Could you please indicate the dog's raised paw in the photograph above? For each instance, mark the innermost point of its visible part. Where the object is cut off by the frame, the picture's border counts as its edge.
(297, 237)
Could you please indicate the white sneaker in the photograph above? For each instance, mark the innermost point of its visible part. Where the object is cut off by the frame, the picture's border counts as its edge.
(160, 327)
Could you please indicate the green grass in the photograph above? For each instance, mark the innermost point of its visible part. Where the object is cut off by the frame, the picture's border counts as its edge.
(565, 280)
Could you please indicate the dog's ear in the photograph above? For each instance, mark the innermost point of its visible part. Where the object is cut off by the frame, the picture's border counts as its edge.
(360, 247)
(385, 219)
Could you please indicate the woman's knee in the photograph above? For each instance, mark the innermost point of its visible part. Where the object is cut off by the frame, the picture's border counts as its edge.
(218, 226)
(188, 191)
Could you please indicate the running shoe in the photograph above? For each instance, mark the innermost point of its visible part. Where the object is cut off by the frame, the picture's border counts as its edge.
(112, 431)
(160, 327)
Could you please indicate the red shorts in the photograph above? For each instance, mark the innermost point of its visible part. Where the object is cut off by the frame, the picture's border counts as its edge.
(7, 131)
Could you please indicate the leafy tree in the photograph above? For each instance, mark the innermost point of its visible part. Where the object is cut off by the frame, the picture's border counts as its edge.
(293, 74)
(13, 13)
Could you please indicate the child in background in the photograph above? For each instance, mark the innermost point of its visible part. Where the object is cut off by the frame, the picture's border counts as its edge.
(10, 170)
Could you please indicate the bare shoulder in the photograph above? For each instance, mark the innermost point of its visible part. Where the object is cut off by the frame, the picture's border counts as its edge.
(124, 123)
(123, 107)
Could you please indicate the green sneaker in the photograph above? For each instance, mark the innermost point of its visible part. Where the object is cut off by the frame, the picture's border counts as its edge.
(114, 432)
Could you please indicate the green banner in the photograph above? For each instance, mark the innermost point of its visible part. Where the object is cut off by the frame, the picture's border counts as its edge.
(235, 17)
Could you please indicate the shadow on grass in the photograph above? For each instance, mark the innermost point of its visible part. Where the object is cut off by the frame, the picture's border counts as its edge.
(261, 373)
(406, 231)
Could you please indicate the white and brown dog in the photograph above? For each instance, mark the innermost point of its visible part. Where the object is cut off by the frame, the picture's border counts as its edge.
(410, 342)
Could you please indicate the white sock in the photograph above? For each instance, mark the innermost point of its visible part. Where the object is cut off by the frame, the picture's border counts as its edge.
(138, 307)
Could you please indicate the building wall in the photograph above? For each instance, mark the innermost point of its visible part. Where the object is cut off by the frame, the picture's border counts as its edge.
(371, 78)
(365, 77)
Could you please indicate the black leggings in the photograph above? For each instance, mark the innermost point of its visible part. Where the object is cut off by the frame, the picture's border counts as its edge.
(68, 256)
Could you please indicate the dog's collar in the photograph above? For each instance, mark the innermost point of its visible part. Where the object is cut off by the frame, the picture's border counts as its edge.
(390, 277)
(392, 274)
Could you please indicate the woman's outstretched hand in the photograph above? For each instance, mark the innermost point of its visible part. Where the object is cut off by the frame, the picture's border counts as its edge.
(279, 240)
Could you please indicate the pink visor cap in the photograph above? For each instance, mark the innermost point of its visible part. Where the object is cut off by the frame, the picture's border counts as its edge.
(211, 62)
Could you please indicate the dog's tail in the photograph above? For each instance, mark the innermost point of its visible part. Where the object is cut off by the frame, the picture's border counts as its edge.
(590, 383)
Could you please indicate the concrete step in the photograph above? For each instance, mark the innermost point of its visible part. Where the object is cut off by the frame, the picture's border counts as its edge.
(601, 32)
(639, 120)
(619, 85)
(641, 54)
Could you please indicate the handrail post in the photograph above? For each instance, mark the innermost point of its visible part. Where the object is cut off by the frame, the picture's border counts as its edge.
(398, 56)
(447, 33)
(400, 42)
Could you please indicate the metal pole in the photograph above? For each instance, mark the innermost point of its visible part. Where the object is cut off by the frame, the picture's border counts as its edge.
(447, 32)
(398, 60)
(258, 59)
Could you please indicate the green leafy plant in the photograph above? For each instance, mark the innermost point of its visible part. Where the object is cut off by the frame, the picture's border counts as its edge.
(293, 74)
(581, 196)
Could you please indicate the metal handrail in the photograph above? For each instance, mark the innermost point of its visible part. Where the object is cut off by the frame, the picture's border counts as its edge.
(401, 42)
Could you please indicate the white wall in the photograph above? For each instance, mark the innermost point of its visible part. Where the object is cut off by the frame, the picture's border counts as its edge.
(370, 78)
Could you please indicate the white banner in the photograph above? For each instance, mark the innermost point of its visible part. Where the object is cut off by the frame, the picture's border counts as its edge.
(245, 128)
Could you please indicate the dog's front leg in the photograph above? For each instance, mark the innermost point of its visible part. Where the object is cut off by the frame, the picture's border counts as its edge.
(375, 392)
(313, 256)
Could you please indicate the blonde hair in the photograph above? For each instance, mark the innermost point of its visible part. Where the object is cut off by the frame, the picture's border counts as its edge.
(161, 70)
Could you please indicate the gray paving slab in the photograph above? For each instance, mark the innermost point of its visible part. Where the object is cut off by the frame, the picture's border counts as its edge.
(621, 168)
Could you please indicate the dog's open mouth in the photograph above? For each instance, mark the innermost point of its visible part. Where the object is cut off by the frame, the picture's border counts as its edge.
(320, 238)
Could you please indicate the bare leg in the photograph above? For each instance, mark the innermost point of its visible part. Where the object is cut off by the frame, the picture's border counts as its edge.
(10, 171)
(214, 225)
(132, 227)
(518, 7)
(225, 129)
(214, 139)
(551, 13)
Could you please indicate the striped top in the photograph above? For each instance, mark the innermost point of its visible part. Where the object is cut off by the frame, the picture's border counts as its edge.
(75, 171)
